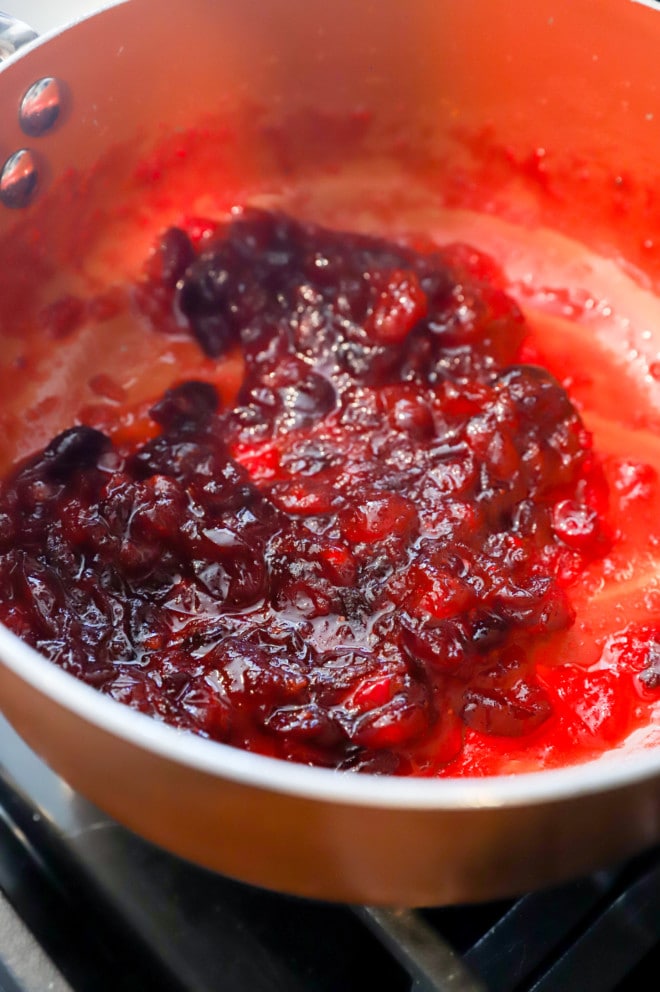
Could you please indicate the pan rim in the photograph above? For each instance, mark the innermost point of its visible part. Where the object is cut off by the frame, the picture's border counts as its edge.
(615, 770)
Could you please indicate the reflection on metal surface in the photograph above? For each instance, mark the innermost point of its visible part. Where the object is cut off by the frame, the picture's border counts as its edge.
(13, 35)
(51, 797)
(24, 965)
(18, 179)
(429, 959)
(40, 107)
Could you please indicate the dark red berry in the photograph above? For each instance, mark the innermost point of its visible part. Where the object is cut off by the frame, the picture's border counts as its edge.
(75, 449)
(173, 256)
(189, 404)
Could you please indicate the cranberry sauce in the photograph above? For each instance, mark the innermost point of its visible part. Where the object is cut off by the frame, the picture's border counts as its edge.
(349, 566)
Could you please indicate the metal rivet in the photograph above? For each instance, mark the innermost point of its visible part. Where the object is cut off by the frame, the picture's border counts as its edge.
(40, 107)
(18, 179)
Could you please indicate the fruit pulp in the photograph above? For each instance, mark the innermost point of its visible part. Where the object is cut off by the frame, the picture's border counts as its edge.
(371, 556)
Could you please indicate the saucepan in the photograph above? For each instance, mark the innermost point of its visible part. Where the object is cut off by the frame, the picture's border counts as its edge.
(511, 122)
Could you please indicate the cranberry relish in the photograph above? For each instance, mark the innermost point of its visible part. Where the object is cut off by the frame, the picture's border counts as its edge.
(348, 567)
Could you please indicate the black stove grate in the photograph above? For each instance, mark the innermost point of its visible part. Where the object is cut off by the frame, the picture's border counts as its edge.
(599, 934)
(113, 912)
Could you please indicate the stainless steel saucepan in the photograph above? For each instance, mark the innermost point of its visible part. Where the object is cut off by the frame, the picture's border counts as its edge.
(514, 123)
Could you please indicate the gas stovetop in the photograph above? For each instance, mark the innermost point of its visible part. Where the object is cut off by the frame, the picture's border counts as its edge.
(90, 907)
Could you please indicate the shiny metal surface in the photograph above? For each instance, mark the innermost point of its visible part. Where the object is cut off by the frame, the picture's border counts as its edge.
(298, 829)
(41, 107)
(27, 968)
(14, 34)
(44, 15)
(435, 966)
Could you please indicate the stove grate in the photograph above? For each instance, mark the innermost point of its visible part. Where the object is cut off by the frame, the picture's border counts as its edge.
(597, 933)
(112, 911)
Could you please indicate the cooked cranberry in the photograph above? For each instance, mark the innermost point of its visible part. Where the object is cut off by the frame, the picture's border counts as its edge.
(292, 397)
(650, 674)
(75, 449)
(400, 305)
(6, 530)
(508, 678)
(413, 416)
(540, 607)
(173, 255)
(307, 721)
(208, 712)
(378, 517)
(212, 330)
(510, 712)
(392, 725)
(245, 666)
(536, 394)
(345, 568)
(440, 648)
(158, 506)
(576, 525)
(191, 403)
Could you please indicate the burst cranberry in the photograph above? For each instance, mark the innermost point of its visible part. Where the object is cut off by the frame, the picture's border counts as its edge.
(75, 449)
(172, 256)
(578, 526)
(513, 712)
(189, 404)
(379, 516)
(400, 305)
